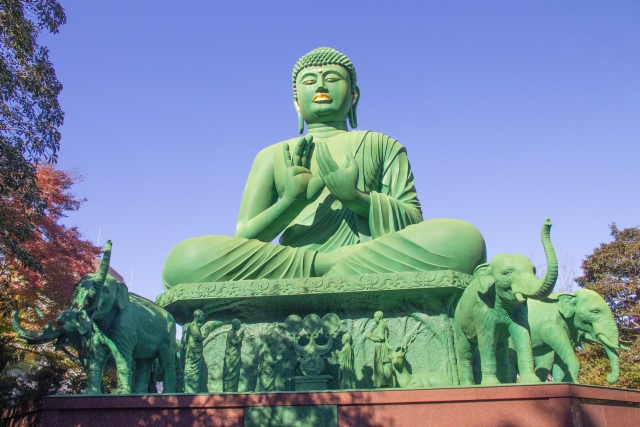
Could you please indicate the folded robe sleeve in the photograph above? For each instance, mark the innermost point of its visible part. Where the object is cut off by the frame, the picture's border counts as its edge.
(394, 204)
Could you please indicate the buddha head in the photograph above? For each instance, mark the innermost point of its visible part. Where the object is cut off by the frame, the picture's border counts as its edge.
(324, 88)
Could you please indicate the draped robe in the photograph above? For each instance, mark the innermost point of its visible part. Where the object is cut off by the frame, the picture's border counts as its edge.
(325, 225)
(232, 362)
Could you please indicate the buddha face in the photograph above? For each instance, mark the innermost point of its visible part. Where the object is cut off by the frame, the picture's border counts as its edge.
(324, 94)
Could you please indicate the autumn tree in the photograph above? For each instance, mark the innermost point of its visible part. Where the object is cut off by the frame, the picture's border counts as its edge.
(64, 257)
(30, 116)
(613, 271)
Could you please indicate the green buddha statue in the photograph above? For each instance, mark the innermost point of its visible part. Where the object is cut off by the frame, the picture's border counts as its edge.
(343, 202)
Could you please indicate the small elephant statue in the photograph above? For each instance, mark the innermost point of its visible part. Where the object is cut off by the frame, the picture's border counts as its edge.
(493, 308)
(562, 322)
(70, 328)
(106, 321)
(125, 324)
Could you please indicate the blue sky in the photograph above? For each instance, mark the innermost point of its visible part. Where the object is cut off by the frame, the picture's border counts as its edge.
(511, 112)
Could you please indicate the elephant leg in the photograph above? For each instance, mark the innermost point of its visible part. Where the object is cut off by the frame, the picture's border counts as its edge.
(465, 357)
(477, 370)
(124, 368)
(513, 362)
(487, 347)
(559, 372)
(142, 374)
(522, 343)
(502, 361)
(543, 363)
(561, 344)
(166, 359)
(97, 361)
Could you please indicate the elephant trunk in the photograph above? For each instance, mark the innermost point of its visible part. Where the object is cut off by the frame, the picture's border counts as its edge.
(101, 276)
(49, 333)
(539, 289)
(608, 337)
(614, 359)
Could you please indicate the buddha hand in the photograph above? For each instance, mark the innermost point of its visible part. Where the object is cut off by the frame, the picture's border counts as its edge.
(300, 184)
(342, 182)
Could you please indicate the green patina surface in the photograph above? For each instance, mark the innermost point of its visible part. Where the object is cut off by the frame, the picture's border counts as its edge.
(423, 303)
(291, 416)
(353, 242)
(259, 300)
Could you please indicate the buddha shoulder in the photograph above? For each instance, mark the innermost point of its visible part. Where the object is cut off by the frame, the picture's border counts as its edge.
(376, 140)
(276, 149)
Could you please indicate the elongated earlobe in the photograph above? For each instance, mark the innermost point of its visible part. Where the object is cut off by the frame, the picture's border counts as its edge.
(353, 117)
(300, 123)
(300, 118)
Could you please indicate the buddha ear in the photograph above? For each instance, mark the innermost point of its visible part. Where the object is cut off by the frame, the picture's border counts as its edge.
(353, 118)
(300, 118)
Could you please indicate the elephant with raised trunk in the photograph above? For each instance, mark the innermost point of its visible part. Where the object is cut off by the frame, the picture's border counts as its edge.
(494, 307)
(562, 322)
(106, 320)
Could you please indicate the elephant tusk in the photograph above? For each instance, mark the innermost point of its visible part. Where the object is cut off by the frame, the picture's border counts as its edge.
(604, 340)
(521, 299)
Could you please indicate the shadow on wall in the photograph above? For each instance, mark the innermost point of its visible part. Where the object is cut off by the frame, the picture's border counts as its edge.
(320, 410)
(284, 410)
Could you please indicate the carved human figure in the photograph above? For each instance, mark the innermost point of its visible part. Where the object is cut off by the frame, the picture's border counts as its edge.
(382, 368)
(192, 344)
(343, 203)
(233, 357)
(346, 373)
(266, 372)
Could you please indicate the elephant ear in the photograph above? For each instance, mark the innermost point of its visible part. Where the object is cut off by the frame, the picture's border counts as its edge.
(567, 305)
(483, 275)
(122, 299)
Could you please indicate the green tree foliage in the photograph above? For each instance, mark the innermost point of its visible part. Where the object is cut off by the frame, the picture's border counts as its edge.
(29, 115)
(613, 270)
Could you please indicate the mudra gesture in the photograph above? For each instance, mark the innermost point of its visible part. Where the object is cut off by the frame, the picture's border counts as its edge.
(343, 203)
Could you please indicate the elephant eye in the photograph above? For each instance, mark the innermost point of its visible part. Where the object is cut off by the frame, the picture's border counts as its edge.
(595, 311)
(508, 272)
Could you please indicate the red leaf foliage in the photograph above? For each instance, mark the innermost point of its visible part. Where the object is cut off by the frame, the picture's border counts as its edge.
(64, 254)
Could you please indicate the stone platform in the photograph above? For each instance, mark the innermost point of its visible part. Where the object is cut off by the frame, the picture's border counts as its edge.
(265, 300)
(544, 405)
(422, 302)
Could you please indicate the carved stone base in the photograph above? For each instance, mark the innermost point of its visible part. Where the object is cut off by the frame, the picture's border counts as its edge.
(311, 383)
(268, 300)
(412, 302)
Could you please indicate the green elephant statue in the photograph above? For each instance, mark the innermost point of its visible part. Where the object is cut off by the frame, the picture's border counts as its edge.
(106, 321)
(493, 308)
(70, 328)
(562, 322)
(126, 326)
